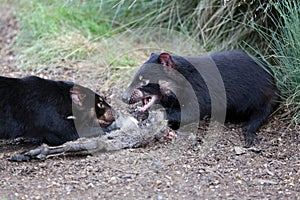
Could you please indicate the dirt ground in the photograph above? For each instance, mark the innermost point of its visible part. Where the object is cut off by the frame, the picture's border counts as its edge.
(179, 169)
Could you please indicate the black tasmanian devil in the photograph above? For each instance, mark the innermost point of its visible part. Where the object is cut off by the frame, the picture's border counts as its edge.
(229, 83)
(49, 111)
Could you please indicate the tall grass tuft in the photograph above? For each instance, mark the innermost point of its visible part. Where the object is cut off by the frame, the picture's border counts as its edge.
(285, 43)
(215, 24)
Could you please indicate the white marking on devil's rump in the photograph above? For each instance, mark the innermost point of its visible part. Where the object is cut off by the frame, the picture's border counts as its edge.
(71, 117)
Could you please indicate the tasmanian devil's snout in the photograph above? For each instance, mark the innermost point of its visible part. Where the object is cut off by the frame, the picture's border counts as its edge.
(126, 97)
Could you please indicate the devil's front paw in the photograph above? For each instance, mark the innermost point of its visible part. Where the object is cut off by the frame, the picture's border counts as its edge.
(251, 139)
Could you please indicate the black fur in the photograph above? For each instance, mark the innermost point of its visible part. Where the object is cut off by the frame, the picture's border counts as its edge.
(251, 91)
(37, 108)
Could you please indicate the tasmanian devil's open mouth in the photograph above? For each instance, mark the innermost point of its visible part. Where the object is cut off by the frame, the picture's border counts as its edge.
(104, 123)
(106, 119)
(147, 99)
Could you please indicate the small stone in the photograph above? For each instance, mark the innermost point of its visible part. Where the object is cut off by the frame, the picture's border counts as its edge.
(239, 150)
(113, 180)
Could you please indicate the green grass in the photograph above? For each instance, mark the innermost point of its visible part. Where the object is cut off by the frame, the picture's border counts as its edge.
(52, 17)
(285, 45)
(211, 23)
(55, 30)
(287, 57)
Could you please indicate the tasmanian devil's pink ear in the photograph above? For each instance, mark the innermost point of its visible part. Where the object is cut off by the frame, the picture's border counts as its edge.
(166, 60)
(77, 96)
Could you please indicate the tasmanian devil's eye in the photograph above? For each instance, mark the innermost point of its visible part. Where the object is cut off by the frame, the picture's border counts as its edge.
(99, 105)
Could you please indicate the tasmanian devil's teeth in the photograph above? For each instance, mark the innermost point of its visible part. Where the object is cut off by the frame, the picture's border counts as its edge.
(145, 101)
(149, 103)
